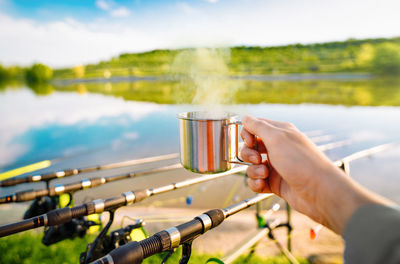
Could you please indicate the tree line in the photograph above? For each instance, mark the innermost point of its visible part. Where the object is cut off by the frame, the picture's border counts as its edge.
(376, 56)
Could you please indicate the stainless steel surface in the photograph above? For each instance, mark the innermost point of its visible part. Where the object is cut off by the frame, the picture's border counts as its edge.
(60, 174)
(109, 259)
(86, 183)
(208, 145)
(36, 178)
(162, 189)
(175, 236)
(98, 206)
(129, 197)
(206, 220)
(59, 188)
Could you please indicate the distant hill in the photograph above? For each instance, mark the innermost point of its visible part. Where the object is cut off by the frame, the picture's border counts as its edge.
(331, 57)
(377, 56)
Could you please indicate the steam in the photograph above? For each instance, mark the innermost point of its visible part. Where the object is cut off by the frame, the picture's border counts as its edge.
(205, 77)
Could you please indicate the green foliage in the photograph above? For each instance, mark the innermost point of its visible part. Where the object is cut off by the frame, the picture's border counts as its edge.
(332, 57)
(10, 73)
(4, 73)
(386, 60)
(27, 248)
(38, 73)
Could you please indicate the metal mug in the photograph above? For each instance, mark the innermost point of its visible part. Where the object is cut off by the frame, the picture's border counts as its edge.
(209, 145)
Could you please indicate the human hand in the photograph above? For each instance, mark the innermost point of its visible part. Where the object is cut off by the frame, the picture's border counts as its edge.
(299, 173)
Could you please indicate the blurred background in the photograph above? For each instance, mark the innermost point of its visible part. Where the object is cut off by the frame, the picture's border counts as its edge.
(86, 83)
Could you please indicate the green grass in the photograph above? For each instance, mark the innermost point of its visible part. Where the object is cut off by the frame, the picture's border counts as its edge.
(27, 248)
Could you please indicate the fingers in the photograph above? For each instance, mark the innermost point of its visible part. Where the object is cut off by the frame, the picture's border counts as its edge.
(259, 185)
(248, 138)
(258, 171)
(261, 179)
(280, 124)
(258, 181)
(258, 127)
(250, 155)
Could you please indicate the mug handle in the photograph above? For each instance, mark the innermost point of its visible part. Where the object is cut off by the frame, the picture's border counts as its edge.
(238, 159)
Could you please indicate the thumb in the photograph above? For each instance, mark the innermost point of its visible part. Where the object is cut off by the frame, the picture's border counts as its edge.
(258, 127)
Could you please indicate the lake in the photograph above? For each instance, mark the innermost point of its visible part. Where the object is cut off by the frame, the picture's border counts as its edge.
(92, 123)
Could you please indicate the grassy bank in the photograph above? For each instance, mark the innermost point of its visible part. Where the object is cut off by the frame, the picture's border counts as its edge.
(27, 248)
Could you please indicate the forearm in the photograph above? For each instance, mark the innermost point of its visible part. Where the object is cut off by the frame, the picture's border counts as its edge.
(340, 197)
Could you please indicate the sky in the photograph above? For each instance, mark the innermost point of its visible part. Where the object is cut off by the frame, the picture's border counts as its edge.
(64, 33)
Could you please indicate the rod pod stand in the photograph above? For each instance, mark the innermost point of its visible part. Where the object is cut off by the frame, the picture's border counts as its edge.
(134, 252)
(86, 256)
(186, 253)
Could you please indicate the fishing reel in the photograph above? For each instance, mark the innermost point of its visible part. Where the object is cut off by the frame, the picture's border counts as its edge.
(41, 206)
(45, 204)
(105, 243)
(76, 228)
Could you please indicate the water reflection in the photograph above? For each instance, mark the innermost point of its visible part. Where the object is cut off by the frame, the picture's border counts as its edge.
(41, 88)
(37, 128)
(349, 92)
(337, 91)
(88, 127)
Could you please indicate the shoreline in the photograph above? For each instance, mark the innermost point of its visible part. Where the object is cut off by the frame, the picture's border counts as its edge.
(269, 77)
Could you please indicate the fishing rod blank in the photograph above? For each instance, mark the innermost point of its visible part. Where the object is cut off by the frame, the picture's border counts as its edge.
(72, 172)
(135, 252)
(60, 216)
(166, 240)
(64, 215)
(58, 189)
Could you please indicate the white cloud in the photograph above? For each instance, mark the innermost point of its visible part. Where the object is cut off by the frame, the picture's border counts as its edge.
(131, 135)
(212, 1)
(120, 12)
(113, 9)
(102, 5)
(67, 42)
(185, 8)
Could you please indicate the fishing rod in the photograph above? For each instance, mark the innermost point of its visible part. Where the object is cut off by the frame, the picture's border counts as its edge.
(345, 162)
(52, 233)
(43, 164)
(6, 182)
(251, 242)
(71, 172)
(183, 234)
(334, 145)
(64, 215)
(78, 226)
(322, 138)
(59, 189)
